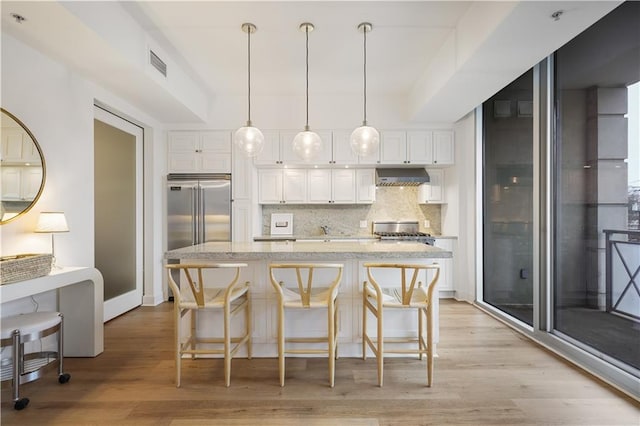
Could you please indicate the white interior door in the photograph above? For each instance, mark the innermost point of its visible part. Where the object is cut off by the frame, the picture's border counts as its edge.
(118, 212)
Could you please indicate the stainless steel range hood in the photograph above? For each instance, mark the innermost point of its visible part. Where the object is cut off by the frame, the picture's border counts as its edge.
(401, 177)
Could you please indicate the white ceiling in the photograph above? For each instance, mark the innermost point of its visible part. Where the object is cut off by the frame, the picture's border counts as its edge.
(444, 58)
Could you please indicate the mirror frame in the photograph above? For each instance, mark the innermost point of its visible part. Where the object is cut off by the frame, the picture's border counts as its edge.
(44, 168)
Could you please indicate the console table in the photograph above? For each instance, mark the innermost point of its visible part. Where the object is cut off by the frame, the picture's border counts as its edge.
(80, 300)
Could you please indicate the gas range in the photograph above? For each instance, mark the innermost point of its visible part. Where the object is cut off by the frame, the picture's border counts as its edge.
(401, 231)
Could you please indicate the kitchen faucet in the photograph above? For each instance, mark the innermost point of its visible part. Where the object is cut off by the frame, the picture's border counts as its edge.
(325, 229)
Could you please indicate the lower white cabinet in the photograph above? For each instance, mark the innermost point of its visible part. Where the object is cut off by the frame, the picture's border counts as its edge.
(21, 183)
(445, 282)
(333, 186)
(282, 186)
(432, 192)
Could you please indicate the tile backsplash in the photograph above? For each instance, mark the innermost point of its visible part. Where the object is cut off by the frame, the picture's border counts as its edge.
(392, 203)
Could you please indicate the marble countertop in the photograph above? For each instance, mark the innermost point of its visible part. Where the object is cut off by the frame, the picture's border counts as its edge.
(314, 237)
(307, 250)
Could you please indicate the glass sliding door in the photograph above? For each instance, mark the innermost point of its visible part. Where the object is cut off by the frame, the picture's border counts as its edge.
(596, 278)
(508, 199)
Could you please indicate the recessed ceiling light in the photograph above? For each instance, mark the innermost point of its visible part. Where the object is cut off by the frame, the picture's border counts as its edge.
(19, 18)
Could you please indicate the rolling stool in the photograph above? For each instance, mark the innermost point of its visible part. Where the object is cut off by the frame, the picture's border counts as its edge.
(24, 368)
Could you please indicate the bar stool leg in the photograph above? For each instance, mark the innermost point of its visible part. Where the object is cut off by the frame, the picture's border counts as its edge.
(281, 343)
(332, 343)
(227, 345)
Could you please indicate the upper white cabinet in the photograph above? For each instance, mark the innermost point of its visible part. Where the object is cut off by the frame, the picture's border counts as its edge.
(333, 186)
(278, 149)
(344, 155)
(199, 152)
(17, 147)
(393, 147)
(419, 147)
(443, 147)
(282, 186)
(432, 192)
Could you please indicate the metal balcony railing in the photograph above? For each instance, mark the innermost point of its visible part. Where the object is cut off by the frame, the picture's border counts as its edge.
(623, 272)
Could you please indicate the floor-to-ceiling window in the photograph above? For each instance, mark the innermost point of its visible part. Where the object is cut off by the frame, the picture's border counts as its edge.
(596, 277)
(561, 200)
(508, 199)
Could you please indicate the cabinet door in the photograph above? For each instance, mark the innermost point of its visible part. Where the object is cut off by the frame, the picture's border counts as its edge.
(242, 176)
(182, 152)
(319, 186)
(420, 147)
(343, 186)
(290, 157)
(270, 186)
(214, 152)
(215, 141)
(365, 186)
(445, 281)
(432, 192)
(13, 144)
(242, 220)
(294, 186)
(270, 154)
(342, 152)
(31, 181)
(443, 149)
(11, 183)
(393, 147)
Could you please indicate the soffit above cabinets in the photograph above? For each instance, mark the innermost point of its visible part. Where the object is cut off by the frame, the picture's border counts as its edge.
(443, 58)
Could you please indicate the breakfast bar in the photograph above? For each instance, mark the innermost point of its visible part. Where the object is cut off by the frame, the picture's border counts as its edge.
(352, 254)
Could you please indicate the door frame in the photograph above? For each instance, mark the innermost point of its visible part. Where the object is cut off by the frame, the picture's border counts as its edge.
(127, 301)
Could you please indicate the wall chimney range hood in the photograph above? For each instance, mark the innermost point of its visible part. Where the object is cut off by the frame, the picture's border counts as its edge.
(401, 177)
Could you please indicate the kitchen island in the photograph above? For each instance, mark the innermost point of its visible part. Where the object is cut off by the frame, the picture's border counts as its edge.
(353, 255)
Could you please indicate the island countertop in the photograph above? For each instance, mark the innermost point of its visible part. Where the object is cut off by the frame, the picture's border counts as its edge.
(307, 251)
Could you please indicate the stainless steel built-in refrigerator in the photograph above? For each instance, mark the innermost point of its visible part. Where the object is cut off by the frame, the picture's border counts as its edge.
(198, 209)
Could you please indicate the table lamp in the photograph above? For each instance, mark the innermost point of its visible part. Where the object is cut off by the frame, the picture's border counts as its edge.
(51, 223)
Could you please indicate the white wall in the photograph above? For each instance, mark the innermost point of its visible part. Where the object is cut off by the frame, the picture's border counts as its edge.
(56, 104)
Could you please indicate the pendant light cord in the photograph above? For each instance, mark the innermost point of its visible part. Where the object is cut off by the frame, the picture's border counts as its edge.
(365, 75)
(307, 75)
(249, 75)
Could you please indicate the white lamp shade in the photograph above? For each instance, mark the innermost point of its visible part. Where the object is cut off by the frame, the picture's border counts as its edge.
(365, 140)
(307, 145)
(249, 140)
(52, 222)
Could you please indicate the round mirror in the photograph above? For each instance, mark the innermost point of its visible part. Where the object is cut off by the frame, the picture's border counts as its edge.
(22, 169)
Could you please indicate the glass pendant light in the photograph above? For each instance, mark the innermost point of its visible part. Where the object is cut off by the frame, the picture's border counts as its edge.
(249, 139)
(365, 139)
(307, 144)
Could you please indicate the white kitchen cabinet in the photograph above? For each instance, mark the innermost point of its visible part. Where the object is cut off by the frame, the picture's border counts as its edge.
(420, 147)
(445, 282)
(432, 192)
(242, 221)
(278, 149)
(199, 152)
(393, 147)
(282, 186)
(332, 186)
(365, 186)
(21, 183)
(270, 154)
(443, 147)
(17, 147)
(342, 152)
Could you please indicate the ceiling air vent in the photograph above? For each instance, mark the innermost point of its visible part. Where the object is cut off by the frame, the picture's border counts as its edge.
(157, 63)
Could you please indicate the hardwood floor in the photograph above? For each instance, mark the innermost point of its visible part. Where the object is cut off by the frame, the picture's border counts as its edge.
(486, 374)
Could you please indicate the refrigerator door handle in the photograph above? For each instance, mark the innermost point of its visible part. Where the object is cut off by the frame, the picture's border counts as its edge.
(194, 215)
(202, 215)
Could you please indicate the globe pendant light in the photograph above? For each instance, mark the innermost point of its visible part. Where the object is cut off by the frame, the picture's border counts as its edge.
(249, 139)
(365, 139)
(307, 144)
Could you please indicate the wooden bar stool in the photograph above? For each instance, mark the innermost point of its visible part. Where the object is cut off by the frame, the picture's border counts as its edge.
(24, 367)
(193, 294)
(406, 293)
(305, 295)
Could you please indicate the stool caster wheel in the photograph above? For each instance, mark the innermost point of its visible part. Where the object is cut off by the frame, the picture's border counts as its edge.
(64, 378)
(21, 403)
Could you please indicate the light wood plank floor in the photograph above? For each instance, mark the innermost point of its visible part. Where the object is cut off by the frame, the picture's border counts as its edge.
(486, 374)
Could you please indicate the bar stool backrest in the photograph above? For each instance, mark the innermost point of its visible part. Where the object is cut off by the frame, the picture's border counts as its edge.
(305, 286)
(407, 287)
(194, 275)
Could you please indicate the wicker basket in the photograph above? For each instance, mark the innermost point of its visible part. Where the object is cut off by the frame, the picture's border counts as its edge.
(24, 267)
